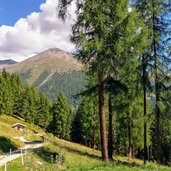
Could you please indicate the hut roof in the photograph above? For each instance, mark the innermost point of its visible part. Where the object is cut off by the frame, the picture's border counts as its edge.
(18, 124)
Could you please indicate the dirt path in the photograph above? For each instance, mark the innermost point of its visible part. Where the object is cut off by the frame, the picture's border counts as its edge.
(18, 153)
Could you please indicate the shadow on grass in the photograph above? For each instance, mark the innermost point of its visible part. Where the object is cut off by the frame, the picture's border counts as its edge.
(76, 151)
(48, 155)
(94, 156)
(125, 163)
(33, 142)
(6, 144)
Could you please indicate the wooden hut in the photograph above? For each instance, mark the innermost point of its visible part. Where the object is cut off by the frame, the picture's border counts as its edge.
(18, 126)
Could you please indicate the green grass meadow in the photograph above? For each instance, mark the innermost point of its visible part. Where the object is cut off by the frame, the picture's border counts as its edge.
(69, 156)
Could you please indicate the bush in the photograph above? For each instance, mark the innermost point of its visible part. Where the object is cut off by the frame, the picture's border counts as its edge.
(6, 144)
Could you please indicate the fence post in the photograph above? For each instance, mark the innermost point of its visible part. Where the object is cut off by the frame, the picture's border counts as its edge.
(10, 153)
(22, 161)
(5, 169)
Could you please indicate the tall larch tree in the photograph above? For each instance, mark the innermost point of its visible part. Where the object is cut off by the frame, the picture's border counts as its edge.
(104, 31)
(156, 17)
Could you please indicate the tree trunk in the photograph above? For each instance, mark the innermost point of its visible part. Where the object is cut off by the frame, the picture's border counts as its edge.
(148, 152)
(158, 138)
(94, 130)
(110, 136)
(145, 110)
(130, 148)
(102, 119)
(94, 135)
(131, 151)
(158, 127)
(86, 142)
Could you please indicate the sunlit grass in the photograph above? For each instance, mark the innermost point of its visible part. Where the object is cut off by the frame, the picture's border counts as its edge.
(75, 157)
(7, 131)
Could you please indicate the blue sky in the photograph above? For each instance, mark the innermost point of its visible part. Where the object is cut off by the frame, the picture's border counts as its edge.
(13, 10)
(29, 26)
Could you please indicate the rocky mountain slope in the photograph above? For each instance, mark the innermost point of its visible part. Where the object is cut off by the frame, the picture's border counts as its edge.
(52, 60)
(52, 71)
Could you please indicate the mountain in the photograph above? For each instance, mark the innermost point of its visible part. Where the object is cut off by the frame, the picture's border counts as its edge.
(52, 71)
(52, 60)
(4, 63)
(7, 62)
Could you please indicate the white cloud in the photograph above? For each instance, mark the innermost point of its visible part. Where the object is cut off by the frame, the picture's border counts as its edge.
(35, 33)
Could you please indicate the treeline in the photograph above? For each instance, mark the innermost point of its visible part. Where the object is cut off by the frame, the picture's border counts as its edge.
(30, 104)
(23, 100)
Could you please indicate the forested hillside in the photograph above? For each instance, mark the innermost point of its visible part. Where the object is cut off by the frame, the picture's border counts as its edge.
(71, 83)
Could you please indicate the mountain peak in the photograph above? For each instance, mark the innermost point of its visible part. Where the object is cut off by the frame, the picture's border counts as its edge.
(54, 51)
(7, 62)
(51, 61)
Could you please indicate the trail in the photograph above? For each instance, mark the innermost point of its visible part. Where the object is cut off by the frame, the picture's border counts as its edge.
(30, 146)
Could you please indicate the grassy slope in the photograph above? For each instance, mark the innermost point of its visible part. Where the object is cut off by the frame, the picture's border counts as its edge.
(6, 131)
(74, 157)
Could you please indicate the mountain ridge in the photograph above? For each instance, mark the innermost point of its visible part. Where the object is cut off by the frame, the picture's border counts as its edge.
(52, 60)
(4, 63)
(52, 71)
(7, 62)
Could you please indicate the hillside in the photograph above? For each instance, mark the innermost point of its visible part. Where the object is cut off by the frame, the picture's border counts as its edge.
(70, 156)
(52, 71)
(9, 135)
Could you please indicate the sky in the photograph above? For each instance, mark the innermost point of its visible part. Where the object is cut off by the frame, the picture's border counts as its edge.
(28, 27)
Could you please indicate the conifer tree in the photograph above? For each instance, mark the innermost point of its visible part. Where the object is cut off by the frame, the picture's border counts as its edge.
(60, 110)
(156, 17)
(28, 103)
(2, 88)
(86, 122)
(104, 33)
(42, 116)
(17, 87)
(7, 94)
(70, 118)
